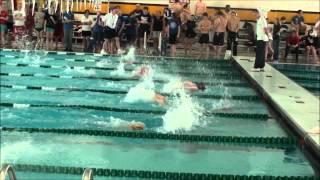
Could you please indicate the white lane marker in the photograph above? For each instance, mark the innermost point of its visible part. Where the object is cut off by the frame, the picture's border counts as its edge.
(19, 87)
(21, 105)
(49, 88)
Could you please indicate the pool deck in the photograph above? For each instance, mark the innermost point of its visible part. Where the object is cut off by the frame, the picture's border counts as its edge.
(300, 107)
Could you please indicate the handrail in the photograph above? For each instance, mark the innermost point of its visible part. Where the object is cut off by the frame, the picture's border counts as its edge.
(87, 174)
(7, 169)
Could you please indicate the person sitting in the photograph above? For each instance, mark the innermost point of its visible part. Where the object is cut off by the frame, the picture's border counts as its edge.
(292, 43)
(310, 44)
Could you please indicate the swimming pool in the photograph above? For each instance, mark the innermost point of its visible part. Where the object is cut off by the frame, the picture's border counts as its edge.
(61, 113)
(307, 76)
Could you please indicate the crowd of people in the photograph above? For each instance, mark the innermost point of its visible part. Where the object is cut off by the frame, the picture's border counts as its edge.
(176, 23)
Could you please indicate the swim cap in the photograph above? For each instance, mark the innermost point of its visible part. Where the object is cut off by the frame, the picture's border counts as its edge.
(201, 86)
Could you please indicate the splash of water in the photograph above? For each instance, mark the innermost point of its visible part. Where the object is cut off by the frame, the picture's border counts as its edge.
(172, 85)
(130, 56)
(183, 115)
(225, 102)
(142, 92)
(79, 70)
(120, 70)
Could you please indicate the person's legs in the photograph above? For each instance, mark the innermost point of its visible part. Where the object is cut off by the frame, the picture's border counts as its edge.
(314, 54)
(234, 44)
(308, 50)
(229, 40)
(70, 31)
(65, 39)
(260, 55)
(276, 44)
(297, 53)
(286, 52)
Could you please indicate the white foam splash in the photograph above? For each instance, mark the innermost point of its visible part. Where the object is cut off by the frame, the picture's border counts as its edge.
(120, 70)
(225, 102)
(102, 63)
(130, 56)
(79, 70)
(142, 92)
(183, 115)
(172, 85)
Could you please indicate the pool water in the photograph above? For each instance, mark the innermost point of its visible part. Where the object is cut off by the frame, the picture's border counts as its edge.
(44, 92)
(307, 76)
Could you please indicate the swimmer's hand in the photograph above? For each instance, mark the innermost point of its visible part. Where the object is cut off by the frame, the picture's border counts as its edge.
(136, 126)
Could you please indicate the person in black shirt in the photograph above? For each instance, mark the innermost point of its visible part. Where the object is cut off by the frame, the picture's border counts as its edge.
(119, 30)
(49, 24)
(190, 34)
(277, 29)
(130, 24)
(144, 26)
(137, 12)
(156, 27)
(310, 43)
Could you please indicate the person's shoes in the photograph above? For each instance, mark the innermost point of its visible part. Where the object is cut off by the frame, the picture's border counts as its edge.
(261, 70)
(65, 49)
(120, 51)
(255, 70)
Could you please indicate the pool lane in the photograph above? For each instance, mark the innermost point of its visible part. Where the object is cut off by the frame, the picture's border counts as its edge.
(151, 155)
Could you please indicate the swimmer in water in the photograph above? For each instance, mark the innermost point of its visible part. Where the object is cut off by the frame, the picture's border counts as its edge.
(136, 126)
(193, 86)
(143, 71)
(142, 94)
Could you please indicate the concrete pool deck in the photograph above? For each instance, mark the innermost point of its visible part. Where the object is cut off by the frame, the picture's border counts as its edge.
(296, 104)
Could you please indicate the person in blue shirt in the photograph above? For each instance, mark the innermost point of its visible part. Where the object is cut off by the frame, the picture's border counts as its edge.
(173, 31)
(68, 19)
(97, 32)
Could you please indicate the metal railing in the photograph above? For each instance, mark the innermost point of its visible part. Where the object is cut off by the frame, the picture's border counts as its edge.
(7, 170)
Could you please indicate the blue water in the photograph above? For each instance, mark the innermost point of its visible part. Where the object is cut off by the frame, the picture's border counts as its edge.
(139, 154)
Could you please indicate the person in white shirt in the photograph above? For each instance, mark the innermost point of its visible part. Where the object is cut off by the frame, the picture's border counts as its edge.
(110, 23)
(86, 22)
(19, 18)
(262, 39)
(200, 8)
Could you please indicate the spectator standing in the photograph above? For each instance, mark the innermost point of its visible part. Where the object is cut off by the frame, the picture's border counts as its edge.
(233, 29)
(39, 24)
(50, 23)
(110, 24)
(262, 39)
(298, 23)
(119, 29)
(131, 25)
(19, 18)
(200, 8)
(144, 26)
(156, 28)
(220, 26)
(68, 19)
(97, 32)
(29, 21)
(58, 28)
(176, 7)
(204, 27)
(292, 43)
(173, 29)
(190, 35)
(277, 29)
(86, 22)
(4, 16)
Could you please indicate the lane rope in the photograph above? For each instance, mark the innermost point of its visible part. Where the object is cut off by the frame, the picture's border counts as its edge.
(260, 116)
(104, 91)
(269, 142)
(240, 84)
